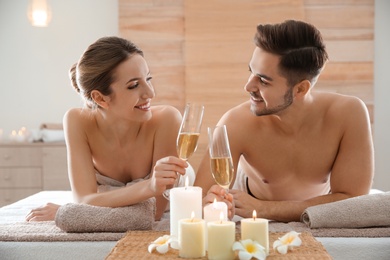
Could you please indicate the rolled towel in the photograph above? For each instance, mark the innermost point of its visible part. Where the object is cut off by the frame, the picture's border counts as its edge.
(372, 210)
(49, 135)
(77, 218)
(52, 126)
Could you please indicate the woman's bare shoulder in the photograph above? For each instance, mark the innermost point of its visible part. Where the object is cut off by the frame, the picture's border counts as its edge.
(166, 113)
(78, 116)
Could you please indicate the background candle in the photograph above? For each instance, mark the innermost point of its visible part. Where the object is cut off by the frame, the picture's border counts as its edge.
(256, 229)
(184, 200)
(221, 236)
(212, 211)
(191, 238)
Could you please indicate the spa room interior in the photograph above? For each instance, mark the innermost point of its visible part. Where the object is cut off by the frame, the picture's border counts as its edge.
(198, 52)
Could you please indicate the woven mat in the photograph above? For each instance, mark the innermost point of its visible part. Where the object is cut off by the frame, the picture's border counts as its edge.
(134, 245)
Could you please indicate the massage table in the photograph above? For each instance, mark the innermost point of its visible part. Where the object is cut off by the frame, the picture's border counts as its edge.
(340, 248)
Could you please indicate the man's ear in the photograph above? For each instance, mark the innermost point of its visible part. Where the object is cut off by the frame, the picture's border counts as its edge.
(100, 99)
(301, 88)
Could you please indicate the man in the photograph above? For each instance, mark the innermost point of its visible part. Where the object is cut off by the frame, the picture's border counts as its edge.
(292, 147)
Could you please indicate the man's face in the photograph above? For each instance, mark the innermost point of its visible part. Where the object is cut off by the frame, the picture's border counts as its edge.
(269, 91)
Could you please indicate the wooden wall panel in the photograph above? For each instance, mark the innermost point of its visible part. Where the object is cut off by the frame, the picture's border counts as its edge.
(199, 51)
(157, 27)
(219, 45)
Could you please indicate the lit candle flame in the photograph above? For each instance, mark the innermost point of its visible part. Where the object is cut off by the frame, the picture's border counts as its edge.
(215, 203)
(254, 215)
(192, 216)
(221, 216)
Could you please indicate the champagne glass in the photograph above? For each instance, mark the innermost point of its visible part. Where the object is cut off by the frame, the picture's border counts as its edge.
(220, 157)
(187, 138)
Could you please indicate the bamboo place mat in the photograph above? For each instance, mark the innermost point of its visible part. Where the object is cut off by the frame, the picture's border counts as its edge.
(134, 245)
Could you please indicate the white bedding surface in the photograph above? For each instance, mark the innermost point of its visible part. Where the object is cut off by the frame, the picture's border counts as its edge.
(339, 248)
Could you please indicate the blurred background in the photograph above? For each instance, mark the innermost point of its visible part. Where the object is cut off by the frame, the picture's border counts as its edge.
(198, 51)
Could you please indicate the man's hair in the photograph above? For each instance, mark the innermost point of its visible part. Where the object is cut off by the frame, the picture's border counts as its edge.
(299, 45)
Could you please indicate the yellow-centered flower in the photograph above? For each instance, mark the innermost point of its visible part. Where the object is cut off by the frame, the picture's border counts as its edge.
(161, 244)
(286, 242)
(249, 249)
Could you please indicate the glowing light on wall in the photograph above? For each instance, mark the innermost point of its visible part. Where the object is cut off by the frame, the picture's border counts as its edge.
(39, 13)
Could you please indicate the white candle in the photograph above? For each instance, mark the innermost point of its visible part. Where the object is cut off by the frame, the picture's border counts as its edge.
(221, 236)
(184, 200)
(20, 137)
(256, 229)
(191, 237)
(213, 211)
(13, 136)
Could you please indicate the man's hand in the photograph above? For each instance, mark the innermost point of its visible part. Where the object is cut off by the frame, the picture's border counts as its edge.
(244, 203)
(220, 194)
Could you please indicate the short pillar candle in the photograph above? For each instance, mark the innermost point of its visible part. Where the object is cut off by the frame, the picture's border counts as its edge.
(191, 238)
(221, 237)
(256, 229)
(183, 201)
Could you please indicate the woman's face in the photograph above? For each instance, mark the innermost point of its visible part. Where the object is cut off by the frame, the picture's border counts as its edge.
(132, 90)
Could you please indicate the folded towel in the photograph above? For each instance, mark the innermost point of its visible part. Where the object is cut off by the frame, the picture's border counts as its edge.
(372, 210)
(52, 126)
(79, 218)
(49, 135)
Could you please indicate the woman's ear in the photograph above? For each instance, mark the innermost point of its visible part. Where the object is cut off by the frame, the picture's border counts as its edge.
(302, 88)
(100, 99)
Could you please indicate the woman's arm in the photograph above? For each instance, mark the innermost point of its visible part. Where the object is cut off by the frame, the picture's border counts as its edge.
(168, 120)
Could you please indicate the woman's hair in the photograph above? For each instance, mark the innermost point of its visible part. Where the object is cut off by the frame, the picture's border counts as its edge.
(299, 45)
(94, 70)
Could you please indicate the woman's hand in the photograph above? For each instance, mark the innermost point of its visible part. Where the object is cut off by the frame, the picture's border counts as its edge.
(44, 213)
(166, 172)
(220, 194)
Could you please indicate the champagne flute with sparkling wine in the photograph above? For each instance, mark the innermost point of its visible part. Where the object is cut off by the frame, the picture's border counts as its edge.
(187, 139)
(220, 157)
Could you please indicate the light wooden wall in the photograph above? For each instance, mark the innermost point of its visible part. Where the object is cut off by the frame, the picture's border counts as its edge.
(198, 50)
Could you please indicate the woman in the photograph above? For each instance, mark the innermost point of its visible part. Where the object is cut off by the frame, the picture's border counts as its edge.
(118, 134)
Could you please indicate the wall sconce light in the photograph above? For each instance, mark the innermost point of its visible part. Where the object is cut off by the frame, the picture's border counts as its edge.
(39, 13)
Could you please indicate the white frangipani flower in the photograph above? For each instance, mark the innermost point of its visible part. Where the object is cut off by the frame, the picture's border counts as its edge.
(161, 244)
(249, 249)
(286, 242)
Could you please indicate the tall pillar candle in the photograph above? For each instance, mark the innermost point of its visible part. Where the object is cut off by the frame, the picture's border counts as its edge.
(191, 238)
(221, 236)
(256, 229)
(184, 201)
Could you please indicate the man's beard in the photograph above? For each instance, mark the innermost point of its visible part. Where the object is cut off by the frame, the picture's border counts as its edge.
(288, 99)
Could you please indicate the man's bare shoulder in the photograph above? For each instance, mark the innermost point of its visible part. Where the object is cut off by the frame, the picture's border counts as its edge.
(239, 113)
(336, 99)
(340, 104)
